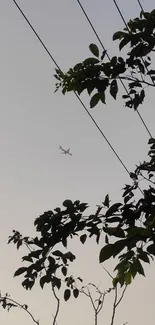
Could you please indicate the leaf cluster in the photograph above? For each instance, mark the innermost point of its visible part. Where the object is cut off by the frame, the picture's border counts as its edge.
(97, 76)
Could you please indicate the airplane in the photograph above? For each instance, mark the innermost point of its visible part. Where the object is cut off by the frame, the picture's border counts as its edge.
(65, 152)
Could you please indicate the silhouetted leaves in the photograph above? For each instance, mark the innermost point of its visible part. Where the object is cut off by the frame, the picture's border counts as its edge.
(106, 201)
(76, 293)
(67, 294)
(43, 280)
(64, 270)
(83, 238)
(114, 208)
(106, 252)
(20, 271)
(151, 249)
(114, 88)
(94, 49)
(94, 100)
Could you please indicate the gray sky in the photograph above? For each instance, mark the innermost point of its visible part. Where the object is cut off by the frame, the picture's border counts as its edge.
(34, 121)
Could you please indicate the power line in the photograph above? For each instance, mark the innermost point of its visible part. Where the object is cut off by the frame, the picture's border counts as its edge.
(140, 5)
(101, 43)
(54, 61)
(120, 12)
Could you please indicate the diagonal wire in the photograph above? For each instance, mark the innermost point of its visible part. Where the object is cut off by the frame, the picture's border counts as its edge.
(120, 12)
(102, 45)
(54, 61)
(140, 5)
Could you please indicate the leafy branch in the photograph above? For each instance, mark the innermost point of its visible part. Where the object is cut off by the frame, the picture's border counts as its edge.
(57, 308)
(7, 303)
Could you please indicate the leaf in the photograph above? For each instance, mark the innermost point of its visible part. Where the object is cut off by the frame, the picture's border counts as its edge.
(114, 208)
(94, 49)
(94, 100)
(64, 242)
(106, 252)
(127, 278)
(144, 257)
(103, 54)
(44, 280)
(115, 231)
(20, 271)
(28, 284)
(140, 268)
(71, 257)
(83, 238)
(36, 253)
(106, 201)
(150, 72)
(56, 282)
(67, 294)
(90, 61)
(82, 207)
(119, 246)
(118, 35)
(19, 243)
(114, 219)
(133, 269)
(151, 249)
(102, 98)
(64, 270)
(106, 239)
(124, 42)
(27, 258)
(151, 140)
(114, 89)
(57, 253)
(115, 281)
(76, 292)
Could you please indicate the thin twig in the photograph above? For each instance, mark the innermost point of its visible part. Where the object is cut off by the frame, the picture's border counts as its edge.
(122, 295)
(20, 306)
(116, 303)
(107, 272)
(100, 300)
(58, 306)
(114, 307)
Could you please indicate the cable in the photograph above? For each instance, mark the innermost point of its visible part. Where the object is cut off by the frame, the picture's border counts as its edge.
(101, 43)
(54, 61)
(142, 58)
(140, 5)
(93, 29)
(102, 134)
(120, 14)
(120, 160)
(46, 49)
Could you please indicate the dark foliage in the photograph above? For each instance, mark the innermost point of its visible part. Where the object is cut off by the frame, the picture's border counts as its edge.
(128, 228)
(97, 75)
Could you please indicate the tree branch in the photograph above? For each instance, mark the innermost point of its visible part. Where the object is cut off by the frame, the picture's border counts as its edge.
(58, 306)
(17, 304)
(116, 303)
(114, 308)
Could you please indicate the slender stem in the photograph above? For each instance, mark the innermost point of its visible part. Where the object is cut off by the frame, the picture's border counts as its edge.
(136, 79)
(58, 306)
(20, 306)
(107, 272)
(114, 307)
(147, 179)
(118, 302)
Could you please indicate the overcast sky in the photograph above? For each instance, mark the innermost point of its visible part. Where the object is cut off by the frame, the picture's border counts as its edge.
(34, 122)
